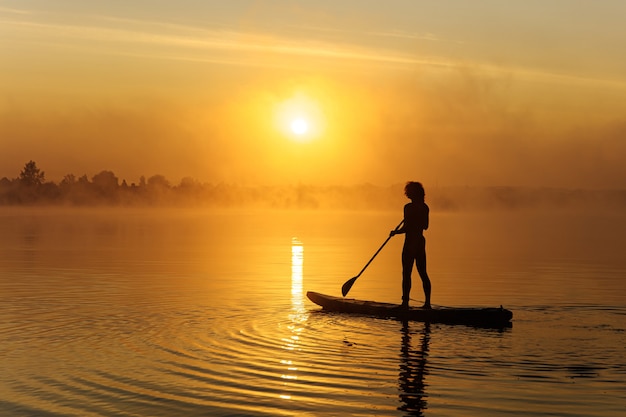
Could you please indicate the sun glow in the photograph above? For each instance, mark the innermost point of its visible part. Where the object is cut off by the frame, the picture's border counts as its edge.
(299, 118)
(299, 126)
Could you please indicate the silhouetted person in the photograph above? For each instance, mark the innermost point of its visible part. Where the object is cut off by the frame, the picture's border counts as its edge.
(414, 250)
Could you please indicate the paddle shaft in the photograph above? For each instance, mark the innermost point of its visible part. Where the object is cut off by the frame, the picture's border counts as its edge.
(379, 249)
(345, 288)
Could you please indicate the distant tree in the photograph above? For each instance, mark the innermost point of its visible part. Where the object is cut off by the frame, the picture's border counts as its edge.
(77, 190)
(158, 189)
(158, 181)
(5, 190)
(189, 185)
(106, 185)
(31, 175)
(68, 180)
(189, 190)
(49, 193)
(105, 181)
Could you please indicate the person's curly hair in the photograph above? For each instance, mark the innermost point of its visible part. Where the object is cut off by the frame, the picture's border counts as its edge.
(414, 190)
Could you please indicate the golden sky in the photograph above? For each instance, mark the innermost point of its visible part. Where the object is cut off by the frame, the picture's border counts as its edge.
(445, 92)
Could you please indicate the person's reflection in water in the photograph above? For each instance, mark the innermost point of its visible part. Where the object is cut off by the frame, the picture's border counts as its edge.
(412, 388)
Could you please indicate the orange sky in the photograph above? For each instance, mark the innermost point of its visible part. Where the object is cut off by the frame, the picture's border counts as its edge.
(449, 93)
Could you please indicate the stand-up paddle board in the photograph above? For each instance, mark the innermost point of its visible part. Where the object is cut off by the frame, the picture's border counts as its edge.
(489, 316)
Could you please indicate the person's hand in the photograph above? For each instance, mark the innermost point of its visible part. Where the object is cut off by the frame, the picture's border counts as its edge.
(392, 233)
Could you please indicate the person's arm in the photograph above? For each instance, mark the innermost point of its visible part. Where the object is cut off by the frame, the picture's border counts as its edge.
(402, 229)
(397, 231)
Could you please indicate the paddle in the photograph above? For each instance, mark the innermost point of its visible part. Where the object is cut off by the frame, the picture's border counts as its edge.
(345, 288)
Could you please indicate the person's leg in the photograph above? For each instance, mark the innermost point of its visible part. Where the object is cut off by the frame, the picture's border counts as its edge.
(421, 269)
(407, 267)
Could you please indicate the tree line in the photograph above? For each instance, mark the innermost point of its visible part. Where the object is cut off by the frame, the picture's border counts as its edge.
(105, 188)
(31, 188)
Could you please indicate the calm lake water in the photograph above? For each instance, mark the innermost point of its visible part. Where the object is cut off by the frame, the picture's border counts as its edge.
(128, 312)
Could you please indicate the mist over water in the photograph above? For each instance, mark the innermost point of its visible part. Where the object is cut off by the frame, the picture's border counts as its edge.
(113, 311)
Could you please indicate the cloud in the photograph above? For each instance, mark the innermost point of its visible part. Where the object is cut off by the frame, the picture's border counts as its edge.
(13, 11)
(220, 44)
(186, 39)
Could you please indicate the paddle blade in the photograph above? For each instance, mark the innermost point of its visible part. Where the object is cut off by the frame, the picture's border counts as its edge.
(345, 288)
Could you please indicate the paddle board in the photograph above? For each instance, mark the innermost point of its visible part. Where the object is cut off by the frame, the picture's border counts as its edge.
(482, 316)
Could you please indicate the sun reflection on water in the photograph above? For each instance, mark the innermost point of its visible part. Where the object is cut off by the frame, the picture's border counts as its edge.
(297, 316)
(297, 297)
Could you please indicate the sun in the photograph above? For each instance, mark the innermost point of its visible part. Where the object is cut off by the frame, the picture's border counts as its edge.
(299, 126)
(299, 118)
